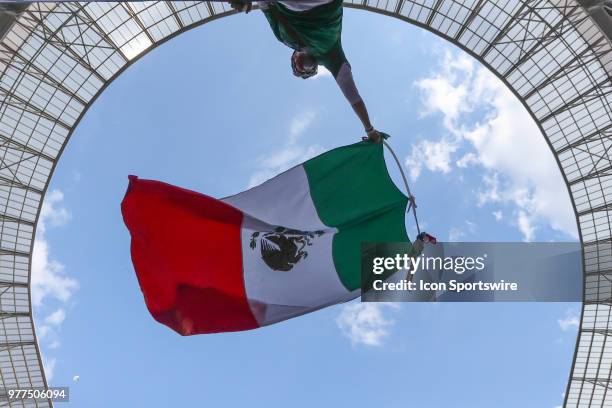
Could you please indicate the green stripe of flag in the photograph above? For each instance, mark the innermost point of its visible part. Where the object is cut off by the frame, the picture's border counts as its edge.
(353, 192)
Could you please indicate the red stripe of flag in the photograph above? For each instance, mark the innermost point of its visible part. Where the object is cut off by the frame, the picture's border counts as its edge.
(187, 253)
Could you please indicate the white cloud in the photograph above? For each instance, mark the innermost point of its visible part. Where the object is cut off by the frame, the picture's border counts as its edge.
(49, 281)
(299, 124)
(48, 278)
(42, 331)
(49, 367)
(519, 167)
(490, 192)
(56, 318)
(76, 378)
(525, 225)
(471, 226)
(498, 215)
(435, 156)
(365, 323)
(571, 321)
(455, 234)
(448, 91)
(290, 154)
(467, 160)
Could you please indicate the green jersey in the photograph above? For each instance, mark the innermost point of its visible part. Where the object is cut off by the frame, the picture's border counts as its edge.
(317, 30)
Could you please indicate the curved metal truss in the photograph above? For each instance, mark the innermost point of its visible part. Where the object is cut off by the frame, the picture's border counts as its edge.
(555, 55)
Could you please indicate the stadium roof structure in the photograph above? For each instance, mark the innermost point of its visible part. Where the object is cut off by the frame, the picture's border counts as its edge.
(555, 56)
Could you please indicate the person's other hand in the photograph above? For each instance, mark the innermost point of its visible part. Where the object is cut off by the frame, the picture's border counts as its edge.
(417, 247)
(374, 136)
(241, 5)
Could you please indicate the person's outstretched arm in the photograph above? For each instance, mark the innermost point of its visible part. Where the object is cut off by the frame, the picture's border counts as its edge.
(345, 81)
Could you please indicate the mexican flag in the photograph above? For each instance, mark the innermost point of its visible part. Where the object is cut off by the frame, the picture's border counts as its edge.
(287, 247)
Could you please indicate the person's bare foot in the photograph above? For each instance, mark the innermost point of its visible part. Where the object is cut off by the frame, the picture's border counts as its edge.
(241, 5)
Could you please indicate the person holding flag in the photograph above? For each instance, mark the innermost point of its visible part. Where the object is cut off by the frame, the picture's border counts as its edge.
(313, 29)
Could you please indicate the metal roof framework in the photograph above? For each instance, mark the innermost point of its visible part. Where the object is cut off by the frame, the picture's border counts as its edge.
(555, 56)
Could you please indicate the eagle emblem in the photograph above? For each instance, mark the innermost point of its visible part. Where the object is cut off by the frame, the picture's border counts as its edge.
(283, 248)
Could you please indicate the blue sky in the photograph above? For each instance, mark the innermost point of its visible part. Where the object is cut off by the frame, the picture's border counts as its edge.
(216, 110)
